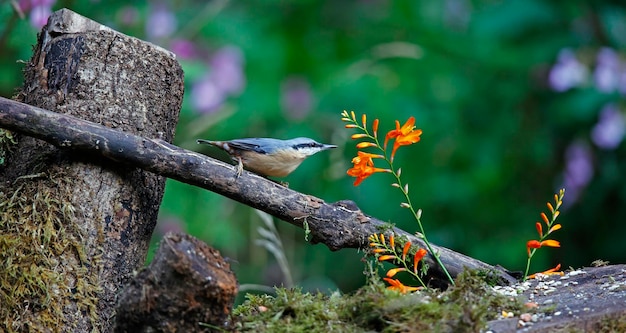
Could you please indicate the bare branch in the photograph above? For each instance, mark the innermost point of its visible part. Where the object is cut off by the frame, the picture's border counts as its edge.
(337, 225)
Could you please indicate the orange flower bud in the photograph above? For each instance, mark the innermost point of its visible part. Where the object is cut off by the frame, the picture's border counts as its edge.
(551, 243)
(405, 250)
(539, 229)
(554, 228)
(386, 257)
(545, 218)
(395, 271)
(375, 128)
(350, 126)
(365, 144)
(358, 136)
(364, 120)
(392, 243)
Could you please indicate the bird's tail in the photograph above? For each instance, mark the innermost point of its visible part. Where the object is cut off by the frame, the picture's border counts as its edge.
(219, 144)
(209, 142)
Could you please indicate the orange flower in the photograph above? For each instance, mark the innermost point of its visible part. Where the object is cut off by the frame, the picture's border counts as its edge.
(395, 284)
(534, 244)
(364, 167)
(405, 135)
(551, 271)
(419, 255)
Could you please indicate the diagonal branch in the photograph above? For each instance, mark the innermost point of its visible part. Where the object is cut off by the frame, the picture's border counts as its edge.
(337, 225)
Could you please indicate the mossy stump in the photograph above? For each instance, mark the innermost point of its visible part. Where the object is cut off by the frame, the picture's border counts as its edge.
(74, 227)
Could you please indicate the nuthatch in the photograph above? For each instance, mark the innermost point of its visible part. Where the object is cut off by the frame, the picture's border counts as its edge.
(269, 157)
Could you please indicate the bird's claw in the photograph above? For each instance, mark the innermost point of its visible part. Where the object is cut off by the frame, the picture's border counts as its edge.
(239, 167)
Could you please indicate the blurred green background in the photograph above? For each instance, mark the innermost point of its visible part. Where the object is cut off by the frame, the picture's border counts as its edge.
(516, 99)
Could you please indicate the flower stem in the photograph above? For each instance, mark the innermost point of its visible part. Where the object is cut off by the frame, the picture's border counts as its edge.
(528, 264)
(419, 223)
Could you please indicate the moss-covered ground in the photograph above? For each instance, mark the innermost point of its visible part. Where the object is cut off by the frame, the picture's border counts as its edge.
(465, 307)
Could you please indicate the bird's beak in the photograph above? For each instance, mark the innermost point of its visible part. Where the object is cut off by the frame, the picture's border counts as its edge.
(328, 147)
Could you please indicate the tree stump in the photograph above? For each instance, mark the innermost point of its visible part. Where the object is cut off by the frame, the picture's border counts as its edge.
(74, 227)
(188, 287)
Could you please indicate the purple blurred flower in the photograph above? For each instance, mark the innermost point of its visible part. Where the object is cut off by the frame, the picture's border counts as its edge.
(206, 96)
(225, 78)
(183, 48)
(608, 70)
(568, 72)
(579, 167)
(39, 15)
(296, 97)
(610, 128)
(622, 82)
(27, 5)
(578, 170)
(127, 15)
(227, 70)
(161, 22)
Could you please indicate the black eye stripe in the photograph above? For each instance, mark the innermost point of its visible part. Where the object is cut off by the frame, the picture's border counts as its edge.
(306, 145)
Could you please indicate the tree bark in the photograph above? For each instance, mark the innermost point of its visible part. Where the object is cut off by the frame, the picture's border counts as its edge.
(74, 229)
(591, 299)
(188, 287)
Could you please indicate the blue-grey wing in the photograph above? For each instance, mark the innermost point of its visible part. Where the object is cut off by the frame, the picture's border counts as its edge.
(259, 145)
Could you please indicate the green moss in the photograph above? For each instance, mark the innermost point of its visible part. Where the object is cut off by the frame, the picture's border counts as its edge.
(7, 141)
(611, 323)
(465, 307)
(40, 246)
(386, 228)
